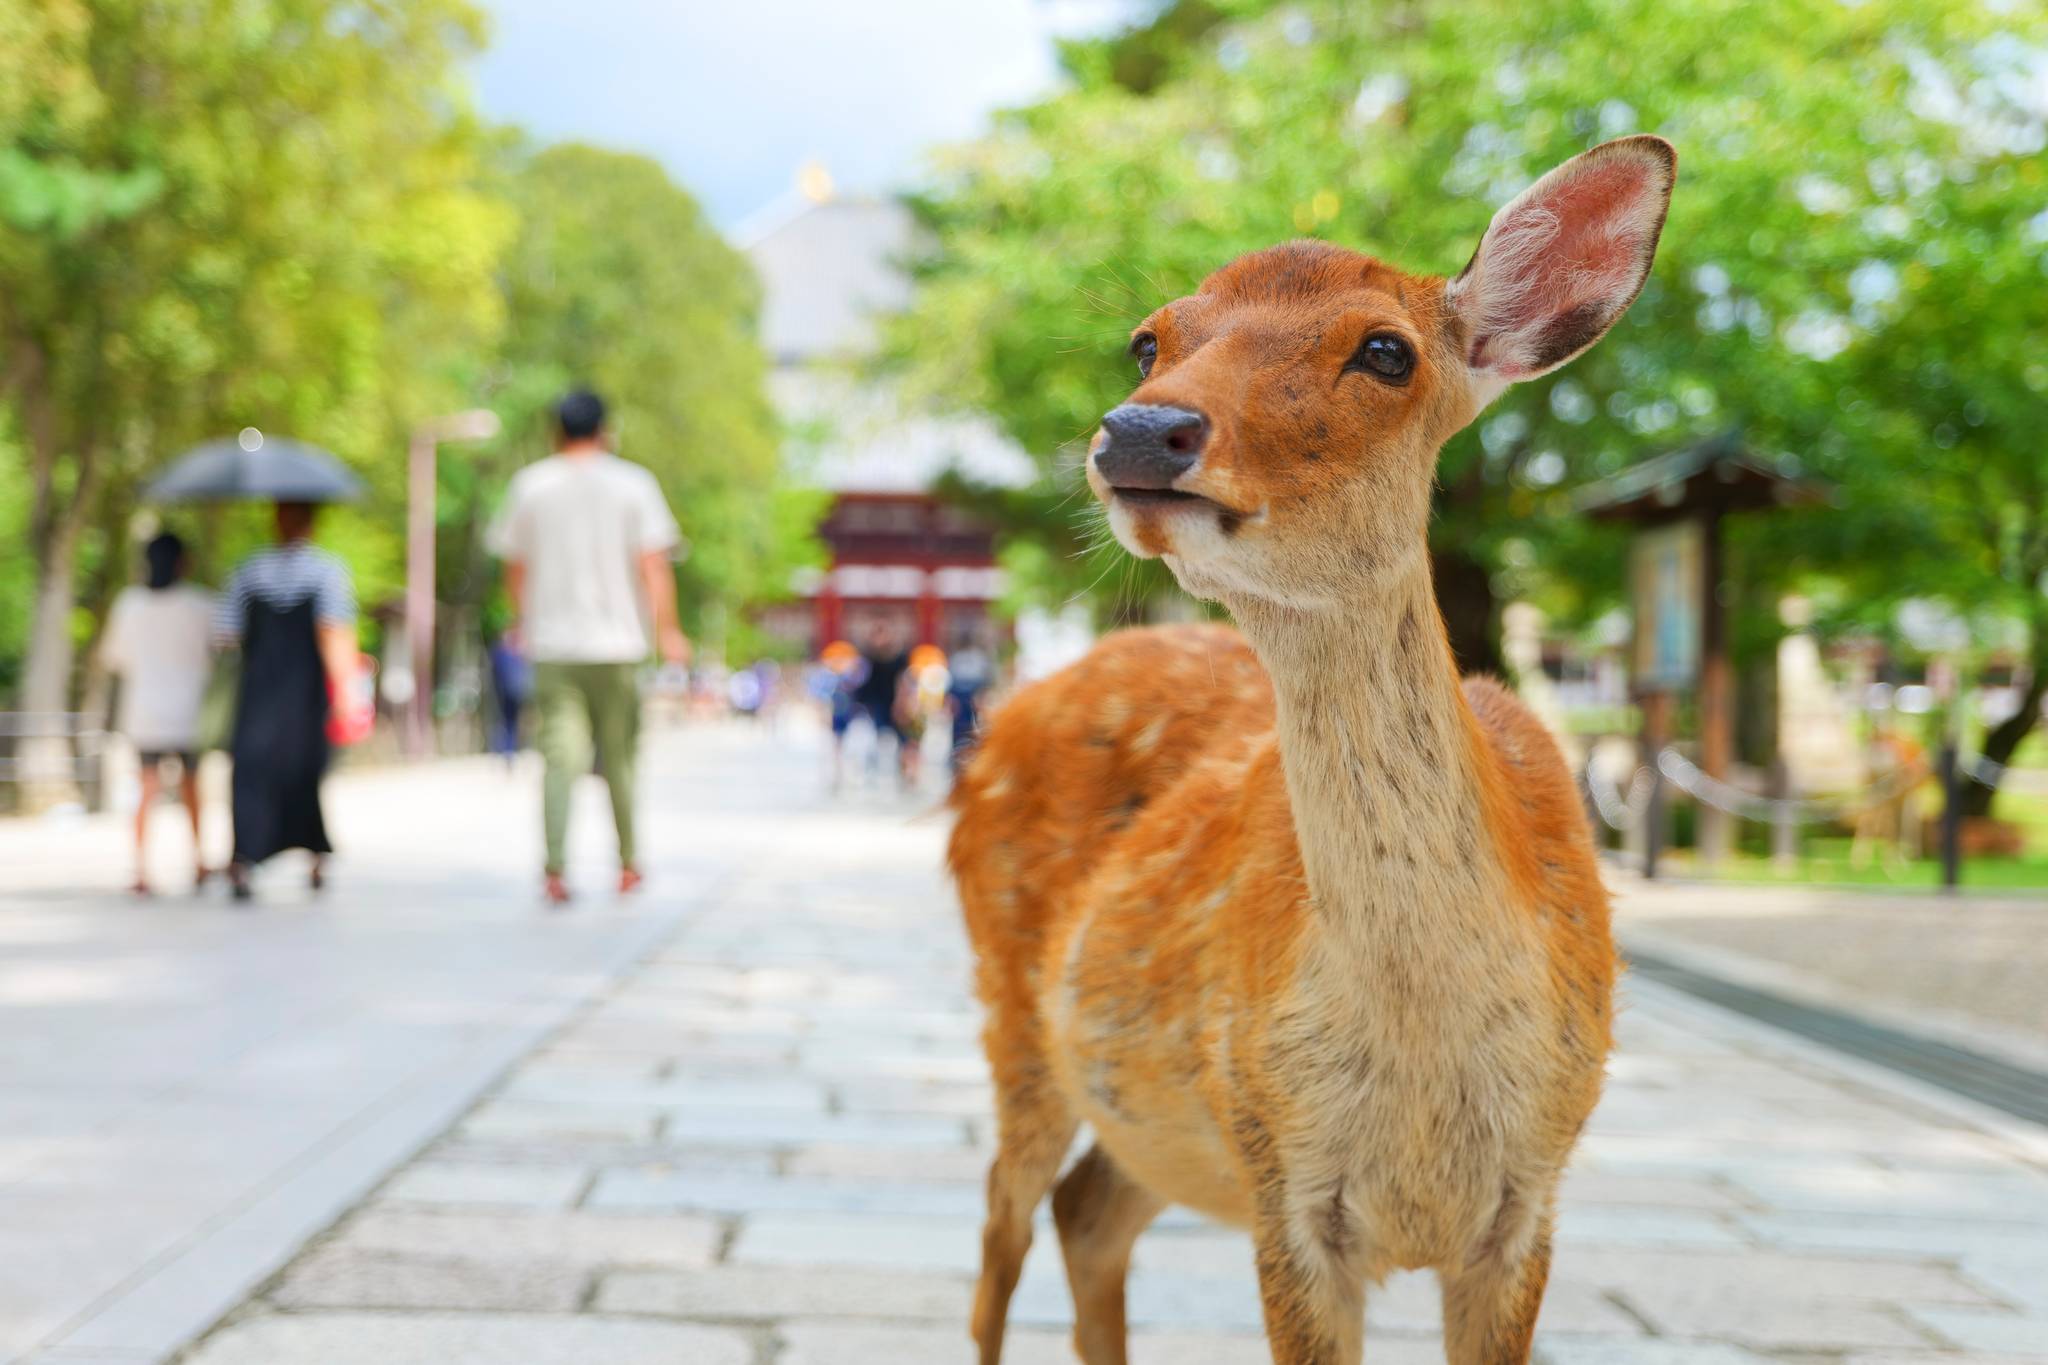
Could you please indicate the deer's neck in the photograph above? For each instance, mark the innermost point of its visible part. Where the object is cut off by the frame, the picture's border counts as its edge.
(1378, 747)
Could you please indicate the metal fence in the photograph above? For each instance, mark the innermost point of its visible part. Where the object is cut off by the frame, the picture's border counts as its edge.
(61, 752)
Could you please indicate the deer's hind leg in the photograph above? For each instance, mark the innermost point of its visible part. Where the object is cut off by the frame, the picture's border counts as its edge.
(1100, 1211)
(1034, 1128)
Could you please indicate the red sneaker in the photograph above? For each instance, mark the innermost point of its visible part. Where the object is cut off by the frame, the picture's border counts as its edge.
(629, 880)
(554, 890)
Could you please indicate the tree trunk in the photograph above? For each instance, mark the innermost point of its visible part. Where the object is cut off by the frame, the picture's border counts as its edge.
(1464, 594)
(97, 593)
(48, 778)
(46, 675)
(56, 521)
(2005, 738)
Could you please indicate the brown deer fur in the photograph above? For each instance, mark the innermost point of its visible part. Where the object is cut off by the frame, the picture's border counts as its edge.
(1308, 932)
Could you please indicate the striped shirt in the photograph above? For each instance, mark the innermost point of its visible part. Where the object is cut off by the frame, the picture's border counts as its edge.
(283, 576)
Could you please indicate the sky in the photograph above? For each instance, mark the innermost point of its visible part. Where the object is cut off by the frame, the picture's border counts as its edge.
(733, 96)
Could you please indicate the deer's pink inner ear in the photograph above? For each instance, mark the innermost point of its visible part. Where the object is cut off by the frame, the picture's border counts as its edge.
(1563, 260)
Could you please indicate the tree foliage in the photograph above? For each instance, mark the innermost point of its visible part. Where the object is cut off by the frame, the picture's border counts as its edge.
(616, 280)
(284, 215)
(1852, 271)
(215, 215)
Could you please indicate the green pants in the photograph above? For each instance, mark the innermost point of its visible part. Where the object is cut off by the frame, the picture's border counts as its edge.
(579, 703)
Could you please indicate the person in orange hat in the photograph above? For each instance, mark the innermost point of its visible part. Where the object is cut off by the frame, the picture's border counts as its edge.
(843, 671)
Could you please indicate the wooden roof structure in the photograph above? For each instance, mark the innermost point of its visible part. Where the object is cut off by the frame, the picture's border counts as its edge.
(1715, 475)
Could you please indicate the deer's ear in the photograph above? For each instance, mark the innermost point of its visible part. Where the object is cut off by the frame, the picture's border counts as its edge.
(1564, 259)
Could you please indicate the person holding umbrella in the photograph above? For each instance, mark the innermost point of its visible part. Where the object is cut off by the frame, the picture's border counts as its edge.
(291, 608)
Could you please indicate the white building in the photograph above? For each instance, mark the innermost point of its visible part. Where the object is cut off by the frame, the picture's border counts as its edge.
(830, 267)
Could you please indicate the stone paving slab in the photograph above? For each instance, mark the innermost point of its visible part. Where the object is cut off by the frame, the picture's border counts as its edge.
(474, 1185)
(1986, 1330)
(578, 1238)
(723, 1192)
(765, 1146)
(470, 1339)
(766, 1295)
(339, 1277)
(806, 1343)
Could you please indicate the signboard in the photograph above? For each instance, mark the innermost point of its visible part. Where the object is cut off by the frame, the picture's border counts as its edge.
(1667, 568)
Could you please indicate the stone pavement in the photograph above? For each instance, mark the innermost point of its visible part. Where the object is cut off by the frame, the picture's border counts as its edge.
(764, 1145)
(189, 1091)
(1969, 967)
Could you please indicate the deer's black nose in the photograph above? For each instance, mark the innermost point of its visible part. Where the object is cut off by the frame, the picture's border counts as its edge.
(1150, 445)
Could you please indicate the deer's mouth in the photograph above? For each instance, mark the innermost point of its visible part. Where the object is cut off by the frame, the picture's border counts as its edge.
(1165, 501)
(1159, 521)
(1148, 498)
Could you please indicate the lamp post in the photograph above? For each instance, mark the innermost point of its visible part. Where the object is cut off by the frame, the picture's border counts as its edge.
(478, 424)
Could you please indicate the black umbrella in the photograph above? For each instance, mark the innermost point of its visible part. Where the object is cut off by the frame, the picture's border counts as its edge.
(255, 467)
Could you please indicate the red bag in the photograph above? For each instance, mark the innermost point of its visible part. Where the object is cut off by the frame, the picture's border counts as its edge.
(351, 709)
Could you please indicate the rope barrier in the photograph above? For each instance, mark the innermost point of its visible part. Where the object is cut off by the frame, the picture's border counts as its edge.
(1618, 812)
(1784, 814)
(1981, 770)
(1723, 796)
(1621, 812)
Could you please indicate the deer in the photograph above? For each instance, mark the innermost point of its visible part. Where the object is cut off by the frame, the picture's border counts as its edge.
(1306, 930)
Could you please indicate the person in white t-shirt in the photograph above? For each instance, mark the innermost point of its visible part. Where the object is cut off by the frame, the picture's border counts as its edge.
(589, 546)
(158, 641)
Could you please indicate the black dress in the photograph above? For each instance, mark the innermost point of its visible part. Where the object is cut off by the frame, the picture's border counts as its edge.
(280, 737)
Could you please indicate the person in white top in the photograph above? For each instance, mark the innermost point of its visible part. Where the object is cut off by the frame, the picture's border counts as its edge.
(589, 546)
(157, 642)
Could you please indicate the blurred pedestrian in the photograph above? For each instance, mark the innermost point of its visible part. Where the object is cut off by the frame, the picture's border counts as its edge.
(1886, 828)
(589, 545)
(745, 694)
(158, 643)
(923, 698)
(768, 674)
(969, 672)
(838, 675)
(879, 694)
(511, 687)
(292, 609)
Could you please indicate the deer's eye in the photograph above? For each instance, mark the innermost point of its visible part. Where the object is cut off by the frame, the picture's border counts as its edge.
(1145, 348)
(1384, 356)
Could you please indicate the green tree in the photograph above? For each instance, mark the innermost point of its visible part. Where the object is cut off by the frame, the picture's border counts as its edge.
(616, 280)
(221, 214)
(41, 74)
(1851, 271)
(1937, 432)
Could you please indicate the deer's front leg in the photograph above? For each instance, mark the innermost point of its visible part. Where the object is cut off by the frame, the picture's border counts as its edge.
(1490, 1305)
(1314, 1303)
